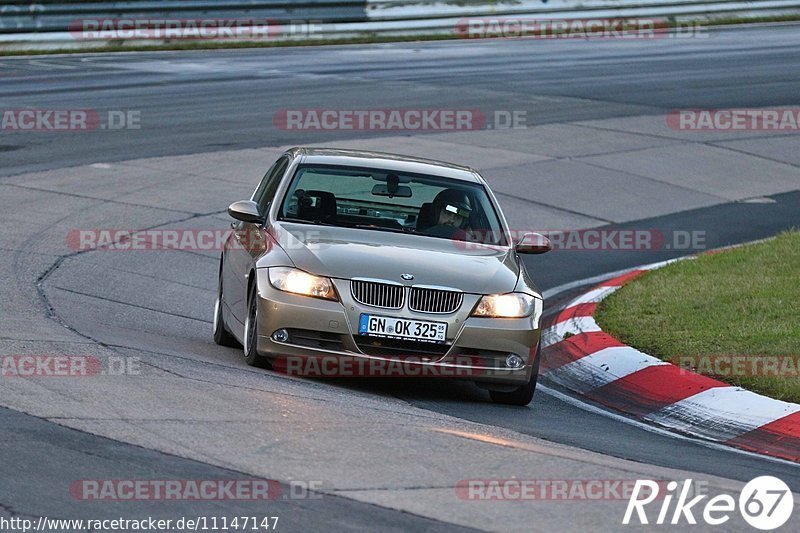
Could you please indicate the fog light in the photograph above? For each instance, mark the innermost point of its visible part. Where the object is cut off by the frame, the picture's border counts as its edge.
(280, 335)
(514, 361)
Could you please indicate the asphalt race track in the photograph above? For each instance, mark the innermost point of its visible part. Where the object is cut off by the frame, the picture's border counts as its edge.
(595, 151)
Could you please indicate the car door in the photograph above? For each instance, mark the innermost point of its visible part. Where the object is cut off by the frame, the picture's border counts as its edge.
(240, 253)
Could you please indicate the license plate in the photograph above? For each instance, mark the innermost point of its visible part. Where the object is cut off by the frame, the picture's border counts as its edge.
(402, 328)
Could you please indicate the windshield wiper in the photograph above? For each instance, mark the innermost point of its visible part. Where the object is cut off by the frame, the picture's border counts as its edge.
(304, 221)
(378, 228)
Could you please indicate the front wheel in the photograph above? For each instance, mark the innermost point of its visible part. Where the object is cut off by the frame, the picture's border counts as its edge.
(521, 395)
(251, 355)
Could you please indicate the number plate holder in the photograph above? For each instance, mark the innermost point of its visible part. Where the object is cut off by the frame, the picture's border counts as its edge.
(402, 328)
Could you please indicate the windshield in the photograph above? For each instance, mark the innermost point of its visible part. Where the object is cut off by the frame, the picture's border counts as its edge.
(384, 200)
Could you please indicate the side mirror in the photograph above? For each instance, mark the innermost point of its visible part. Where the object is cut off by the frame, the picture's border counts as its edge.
(534, 243)
(246, 211)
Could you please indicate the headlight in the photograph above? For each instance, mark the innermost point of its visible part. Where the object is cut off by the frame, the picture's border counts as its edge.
(299, 282)
(511, 305)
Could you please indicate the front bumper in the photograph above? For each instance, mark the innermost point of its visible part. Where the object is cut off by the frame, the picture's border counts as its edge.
(324, 340)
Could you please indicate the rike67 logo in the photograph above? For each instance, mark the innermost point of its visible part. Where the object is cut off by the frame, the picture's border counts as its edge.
(766, 503)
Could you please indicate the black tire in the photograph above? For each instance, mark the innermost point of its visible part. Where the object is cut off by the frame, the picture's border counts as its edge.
(522, 395)
(222, 336)
(251, 355)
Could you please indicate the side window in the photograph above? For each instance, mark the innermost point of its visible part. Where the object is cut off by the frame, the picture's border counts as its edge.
(266, 189)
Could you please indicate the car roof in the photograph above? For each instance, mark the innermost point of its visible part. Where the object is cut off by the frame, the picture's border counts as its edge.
(385, 161)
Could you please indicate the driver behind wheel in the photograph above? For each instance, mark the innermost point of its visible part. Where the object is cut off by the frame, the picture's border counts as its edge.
(452, 210)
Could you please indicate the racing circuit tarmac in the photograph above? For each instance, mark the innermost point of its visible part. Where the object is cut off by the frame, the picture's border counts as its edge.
(385, 454)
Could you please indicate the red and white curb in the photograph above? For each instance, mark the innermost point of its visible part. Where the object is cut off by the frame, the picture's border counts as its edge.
(597, 366)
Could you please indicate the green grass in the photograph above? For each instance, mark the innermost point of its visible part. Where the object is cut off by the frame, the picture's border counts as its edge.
(365, 38)
(741, 302)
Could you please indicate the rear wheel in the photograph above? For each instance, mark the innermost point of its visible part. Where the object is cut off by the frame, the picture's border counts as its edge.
(521, 395)
(221, 334)
(251, 355)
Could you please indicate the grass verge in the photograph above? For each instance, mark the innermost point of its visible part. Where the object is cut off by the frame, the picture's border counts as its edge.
(734, 315)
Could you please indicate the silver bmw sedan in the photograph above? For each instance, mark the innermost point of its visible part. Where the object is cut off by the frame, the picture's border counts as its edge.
(361, 263)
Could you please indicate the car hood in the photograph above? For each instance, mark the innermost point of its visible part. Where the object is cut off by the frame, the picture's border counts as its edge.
(356, 253)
